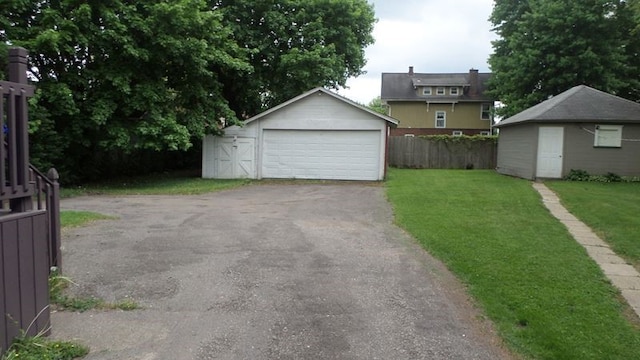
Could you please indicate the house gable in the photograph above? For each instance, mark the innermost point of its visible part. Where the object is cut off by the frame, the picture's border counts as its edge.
(420, 101)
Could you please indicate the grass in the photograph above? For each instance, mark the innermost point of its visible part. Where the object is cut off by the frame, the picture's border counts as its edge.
(157, 184)
(57, 285)
(73, 218)
(547, 298)
(39, 348)
(610, 209)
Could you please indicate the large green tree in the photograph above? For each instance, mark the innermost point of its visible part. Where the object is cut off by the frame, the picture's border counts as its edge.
(547, 46)
(295, 45)
(119, 76)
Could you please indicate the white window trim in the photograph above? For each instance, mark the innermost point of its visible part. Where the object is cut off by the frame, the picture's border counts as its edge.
(444, 119)
(608, 136)
(426, 90)
(457, 133)
(481, 111)
(485, 133)
(457, 91)
(440, 90)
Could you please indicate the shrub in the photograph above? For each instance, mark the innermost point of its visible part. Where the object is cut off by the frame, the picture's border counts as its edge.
(577, 175)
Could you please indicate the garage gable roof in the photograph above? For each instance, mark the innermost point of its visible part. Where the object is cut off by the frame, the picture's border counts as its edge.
(579, 104)
(393, 122)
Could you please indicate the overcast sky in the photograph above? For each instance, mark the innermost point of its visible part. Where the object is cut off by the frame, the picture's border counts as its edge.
(433, 36)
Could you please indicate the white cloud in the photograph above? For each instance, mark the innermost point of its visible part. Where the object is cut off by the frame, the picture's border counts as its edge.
(432, 36)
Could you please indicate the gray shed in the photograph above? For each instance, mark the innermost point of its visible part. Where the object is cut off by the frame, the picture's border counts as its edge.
(317, 135)
(581, 128)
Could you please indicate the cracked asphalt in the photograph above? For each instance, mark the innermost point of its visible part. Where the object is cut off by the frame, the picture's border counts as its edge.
(271, 271)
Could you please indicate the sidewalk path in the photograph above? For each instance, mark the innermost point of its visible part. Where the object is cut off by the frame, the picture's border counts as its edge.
(622, 275)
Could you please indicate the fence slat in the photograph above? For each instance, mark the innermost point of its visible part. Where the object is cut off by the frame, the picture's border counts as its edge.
(423, 153)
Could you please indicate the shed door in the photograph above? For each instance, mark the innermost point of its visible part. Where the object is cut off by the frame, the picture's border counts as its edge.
(235, 157)
(321, 154)
(550, 148)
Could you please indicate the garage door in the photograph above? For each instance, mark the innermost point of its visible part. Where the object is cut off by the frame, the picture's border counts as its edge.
(326, 154)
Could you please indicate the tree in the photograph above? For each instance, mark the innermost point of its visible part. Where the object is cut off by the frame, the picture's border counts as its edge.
(295, 45)
(377, 106)
(117, 76)
(547, 46)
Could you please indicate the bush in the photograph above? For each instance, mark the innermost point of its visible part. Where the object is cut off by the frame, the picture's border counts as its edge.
(582, 175)
(577, 175)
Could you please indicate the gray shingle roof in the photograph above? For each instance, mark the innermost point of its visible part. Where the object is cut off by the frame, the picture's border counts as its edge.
(579, 104)
(401, 86)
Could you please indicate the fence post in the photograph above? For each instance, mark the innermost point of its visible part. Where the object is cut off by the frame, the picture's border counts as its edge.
(54, 220)
(18, 65)
(17, 72)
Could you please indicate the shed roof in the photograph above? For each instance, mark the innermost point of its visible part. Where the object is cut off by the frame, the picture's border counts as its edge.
(579, 104)
(390, 120)
(401, 86)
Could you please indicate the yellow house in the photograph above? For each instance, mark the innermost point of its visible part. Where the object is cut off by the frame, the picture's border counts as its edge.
(438, 104)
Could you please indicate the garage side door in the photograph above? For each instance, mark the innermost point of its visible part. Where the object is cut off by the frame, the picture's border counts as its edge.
(321, 154)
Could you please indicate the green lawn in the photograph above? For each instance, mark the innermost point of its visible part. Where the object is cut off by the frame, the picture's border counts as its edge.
(157, 184)
(545, 295)
(74, 218)
(612, 210)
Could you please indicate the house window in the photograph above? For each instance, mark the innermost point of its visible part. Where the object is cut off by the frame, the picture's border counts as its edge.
(441, 119)
(485, 112)
(426, 90)
(485, 133)
(608, 136)
(453, 91)
(440, 91)
(457, 133)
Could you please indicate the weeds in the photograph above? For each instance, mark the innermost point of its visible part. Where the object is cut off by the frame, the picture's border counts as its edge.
(39, 348)
(57, 285)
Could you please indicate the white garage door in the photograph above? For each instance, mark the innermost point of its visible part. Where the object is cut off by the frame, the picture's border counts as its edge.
(321, 154)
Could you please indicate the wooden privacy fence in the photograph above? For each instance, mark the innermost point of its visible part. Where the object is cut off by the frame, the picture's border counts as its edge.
(454, 153)
(29, 216)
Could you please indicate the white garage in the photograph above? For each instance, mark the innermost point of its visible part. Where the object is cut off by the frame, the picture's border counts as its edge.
(317, 135)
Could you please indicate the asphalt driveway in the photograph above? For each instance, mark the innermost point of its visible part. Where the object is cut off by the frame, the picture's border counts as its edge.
(264, 272)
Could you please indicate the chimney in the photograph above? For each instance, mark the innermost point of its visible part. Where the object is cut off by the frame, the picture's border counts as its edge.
(474, 83)
(410, 70)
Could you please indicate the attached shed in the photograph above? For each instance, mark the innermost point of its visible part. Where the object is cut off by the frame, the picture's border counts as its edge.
(317, 135)
(581, 128)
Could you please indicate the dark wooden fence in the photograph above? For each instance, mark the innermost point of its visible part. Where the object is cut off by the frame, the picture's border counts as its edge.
(29, 216)
(422, 153)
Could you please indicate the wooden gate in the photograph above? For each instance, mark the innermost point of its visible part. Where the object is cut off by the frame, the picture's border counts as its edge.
(29, 216)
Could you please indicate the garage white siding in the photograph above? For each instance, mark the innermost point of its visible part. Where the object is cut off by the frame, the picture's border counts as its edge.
(317, 135)
(321, 154)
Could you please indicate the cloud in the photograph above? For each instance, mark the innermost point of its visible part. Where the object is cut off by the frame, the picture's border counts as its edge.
(432, 36)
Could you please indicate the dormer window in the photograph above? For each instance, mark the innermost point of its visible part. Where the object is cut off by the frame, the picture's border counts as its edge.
(440, 90)
(453, 91)
(426, 90)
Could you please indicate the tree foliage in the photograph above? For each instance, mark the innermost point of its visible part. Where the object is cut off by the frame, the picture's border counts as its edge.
(547, 46)
(295, 45)
(118, 77)
(378, 106)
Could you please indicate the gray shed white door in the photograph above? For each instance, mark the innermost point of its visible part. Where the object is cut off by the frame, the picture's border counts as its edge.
(321, 154)
(550, 149)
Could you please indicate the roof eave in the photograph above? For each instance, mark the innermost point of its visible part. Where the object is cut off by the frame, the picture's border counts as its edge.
(388, 119)
(565, 121)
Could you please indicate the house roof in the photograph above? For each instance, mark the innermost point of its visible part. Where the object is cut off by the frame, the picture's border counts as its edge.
(390, 120)
(579, 104)
(402, 86)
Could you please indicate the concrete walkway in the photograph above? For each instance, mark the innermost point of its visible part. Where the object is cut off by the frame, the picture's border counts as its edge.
(622, 275)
